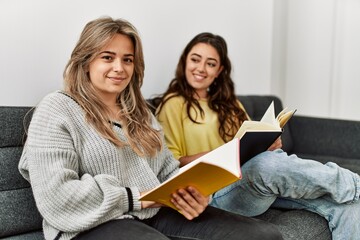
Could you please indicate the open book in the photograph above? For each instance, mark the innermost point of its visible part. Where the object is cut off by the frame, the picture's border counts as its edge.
(208, 174)
(221, 166)
(257, 136)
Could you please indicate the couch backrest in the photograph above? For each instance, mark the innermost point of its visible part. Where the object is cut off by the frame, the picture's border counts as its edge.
(18, 212)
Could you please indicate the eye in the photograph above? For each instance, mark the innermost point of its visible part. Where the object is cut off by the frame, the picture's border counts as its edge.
(195, 60)
(107, 57)
(128, 60)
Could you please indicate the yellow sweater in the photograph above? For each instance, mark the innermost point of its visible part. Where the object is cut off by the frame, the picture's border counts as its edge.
(185, 138)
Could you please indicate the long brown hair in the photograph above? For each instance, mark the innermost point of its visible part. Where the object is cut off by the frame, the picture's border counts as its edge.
(135, 114)
(222, 98)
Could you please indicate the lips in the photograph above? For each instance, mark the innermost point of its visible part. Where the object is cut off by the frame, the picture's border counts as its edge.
(199, 77)
(117, 79)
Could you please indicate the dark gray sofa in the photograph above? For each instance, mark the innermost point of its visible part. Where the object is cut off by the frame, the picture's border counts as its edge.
(315, 138)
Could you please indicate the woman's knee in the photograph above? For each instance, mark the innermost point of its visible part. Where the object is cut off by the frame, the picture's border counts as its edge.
(264, 163)
(258, 165)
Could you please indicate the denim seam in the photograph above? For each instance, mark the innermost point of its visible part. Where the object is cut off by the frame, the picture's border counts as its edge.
(357, 188)
(224, 193)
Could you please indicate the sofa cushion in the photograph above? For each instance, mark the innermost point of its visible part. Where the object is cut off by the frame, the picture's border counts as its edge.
(10, 177)
(13, 121)
(313, 140)
(36, 235)
(298, 224)
(321, 136)
(18, 212)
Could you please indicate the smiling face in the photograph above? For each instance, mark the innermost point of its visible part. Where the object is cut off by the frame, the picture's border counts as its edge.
(202, 67)
(111, 70)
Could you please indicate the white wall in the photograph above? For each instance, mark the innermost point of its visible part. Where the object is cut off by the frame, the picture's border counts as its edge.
(37, 37)
(305, 51)
(317, 68)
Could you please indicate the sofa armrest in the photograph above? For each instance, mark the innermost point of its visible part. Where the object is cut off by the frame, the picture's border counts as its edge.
(323, 136)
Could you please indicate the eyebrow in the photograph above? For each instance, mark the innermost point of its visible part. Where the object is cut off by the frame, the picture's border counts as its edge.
(214, 59)
(113, 53)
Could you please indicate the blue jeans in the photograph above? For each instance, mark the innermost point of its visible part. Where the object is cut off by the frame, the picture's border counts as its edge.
(275, 179)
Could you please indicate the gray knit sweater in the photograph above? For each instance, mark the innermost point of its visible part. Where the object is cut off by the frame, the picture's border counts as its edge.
(79, 179)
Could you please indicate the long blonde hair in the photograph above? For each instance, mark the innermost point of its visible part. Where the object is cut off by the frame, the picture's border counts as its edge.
(135, 114)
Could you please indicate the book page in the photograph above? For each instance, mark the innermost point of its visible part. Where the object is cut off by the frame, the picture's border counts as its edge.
(269, 116)
(255, 126)
(283, 117)
(225, 156)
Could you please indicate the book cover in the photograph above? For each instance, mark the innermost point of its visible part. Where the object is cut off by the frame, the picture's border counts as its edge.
(208, 174)
(253, 143)
(257, 136)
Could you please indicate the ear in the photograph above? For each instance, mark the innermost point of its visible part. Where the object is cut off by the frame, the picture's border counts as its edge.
(220, 70)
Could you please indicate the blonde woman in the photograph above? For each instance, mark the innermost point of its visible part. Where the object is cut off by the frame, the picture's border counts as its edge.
(94, 148)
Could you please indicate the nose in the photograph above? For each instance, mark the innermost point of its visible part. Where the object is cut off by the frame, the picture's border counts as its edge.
(117, 65)
(201, 67)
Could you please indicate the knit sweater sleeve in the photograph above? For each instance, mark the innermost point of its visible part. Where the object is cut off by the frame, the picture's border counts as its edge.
(68, 201)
